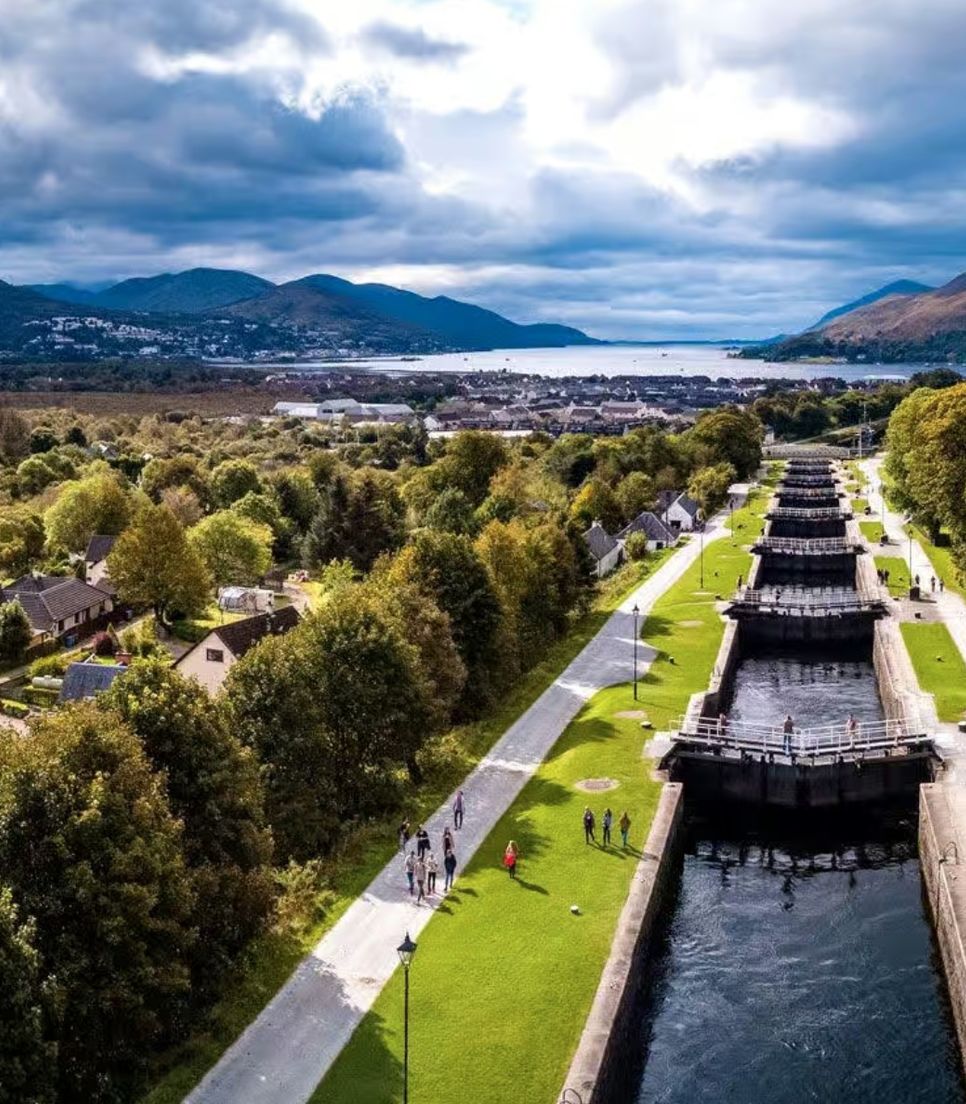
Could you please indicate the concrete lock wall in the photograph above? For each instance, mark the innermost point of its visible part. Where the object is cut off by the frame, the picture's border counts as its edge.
(598, 1066)
(944, 883)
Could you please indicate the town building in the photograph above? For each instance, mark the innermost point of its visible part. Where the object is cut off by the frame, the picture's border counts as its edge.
(605, 551)
(210, 660)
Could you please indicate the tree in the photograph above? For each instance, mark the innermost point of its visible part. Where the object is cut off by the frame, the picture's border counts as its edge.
(298, 498)
(184, 504)
(449, 571)
(91, 851)
(635, 493)
(179, 471)
(709, 487)
(361, 518)
(27, 1058)
(213, 786)
(595, 501)
(936, 464)
(636, 546)
(730, 435)
(97, 504)
(451, 512)
(14, 435)
(233, 548)
(472, 458)
(232, 480)
(152, 564)
(15, 631)
(902, 436)
(22, 540)
(34, 473)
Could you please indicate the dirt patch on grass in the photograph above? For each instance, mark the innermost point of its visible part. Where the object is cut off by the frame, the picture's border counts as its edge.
(631, 715)
(691, 624)
(597, 785)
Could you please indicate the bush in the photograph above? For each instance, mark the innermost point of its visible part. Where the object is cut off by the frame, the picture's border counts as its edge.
(40, 697)
(104, 645)
(191, 632)
(636, 546)
(303, 896)
(54, 665)
(13, 708)
(142, 640)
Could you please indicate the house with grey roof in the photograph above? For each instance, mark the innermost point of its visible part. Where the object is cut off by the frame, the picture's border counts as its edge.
(210, 660)
(683, 514)
(605, 551)
(86, 680)
(95, 560)
(59, 606)
(657, 533)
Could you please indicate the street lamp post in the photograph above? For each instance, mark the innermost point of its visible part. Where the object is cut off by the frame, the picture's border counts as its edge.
(701, 550)
(406, 950)
(637, 614)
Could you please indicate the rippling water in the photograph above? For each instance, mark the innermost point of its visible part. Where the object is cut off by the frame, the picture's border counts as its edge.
(819, 688)
(799, 970)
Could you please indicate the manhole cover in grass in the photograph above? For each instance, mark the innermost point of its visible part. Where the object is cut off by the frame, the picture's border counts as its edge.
(690, 624)
(596, 785)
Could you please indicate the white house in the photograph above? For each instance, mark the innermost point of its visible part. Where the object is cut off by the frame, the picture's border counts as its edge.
(59, 606)
(682, 514)
(605, 551)
(210, 660)
(95, 560)
(657, 533)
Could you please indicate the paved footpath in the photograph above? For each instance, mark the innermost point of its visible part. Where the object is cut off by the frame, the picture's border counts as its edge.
(284, 1053)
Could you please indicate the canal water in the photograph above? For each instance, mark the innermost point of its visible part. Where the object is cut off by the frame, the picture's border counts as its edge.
(798, 967)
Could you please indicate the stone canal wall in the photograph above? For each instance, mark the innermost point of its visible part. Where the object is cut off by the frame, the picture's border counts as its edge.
(941, 858)
(599, 1065)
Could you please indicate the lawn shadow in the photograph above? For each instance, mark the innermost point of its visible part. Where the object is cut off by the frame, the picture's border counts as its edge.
(531, 886)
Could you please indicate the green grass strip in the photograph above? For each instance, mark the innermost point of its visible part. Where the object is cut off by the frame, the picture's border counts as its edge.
(505, 976)
(939, 666)
(941, 558)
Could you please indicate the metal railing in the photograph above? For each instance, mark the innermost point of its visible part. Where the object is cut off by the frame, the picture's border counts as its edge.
(813, 599)
(809, 513)
(810, 492)
(806, 546)
(831, 739)
(792, 479)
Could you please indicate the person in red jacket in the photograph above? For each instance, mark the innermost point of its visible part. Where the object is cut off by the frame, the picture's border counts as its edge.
(510, 857)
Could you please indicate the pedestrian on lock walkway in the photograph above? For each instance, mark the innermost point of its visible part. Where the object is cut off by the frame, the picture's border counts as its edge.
(788, 728)
(932, 583)
(510, 857)
(449, 869)
(625, 826)
(432, 869)
(606, 823)
(410, 868)
(589, 824)
(420, 873)
(942, 585)
(448, 844)
(403, 835)
(458, 808)
(422, 842)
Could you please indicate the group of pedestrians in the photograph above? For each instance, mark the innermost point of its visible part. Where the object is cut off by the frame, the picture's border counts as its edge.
(421, 864)
(606, 825)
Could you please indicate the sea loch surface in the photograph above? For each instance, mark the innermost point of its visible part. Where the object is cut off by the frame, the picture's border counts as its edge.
(621, 360)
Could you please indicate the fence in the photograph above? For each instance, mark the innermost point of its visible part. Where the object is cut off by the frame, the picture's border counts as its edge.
(806, 546)
(813, 599)
(831, 739)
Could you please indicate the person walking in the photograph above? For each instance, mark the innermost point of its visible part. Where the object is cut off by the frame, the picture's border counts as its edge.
(788, 728)
(932, 583)
(449, 869)
(459, 805)
(422, 842)
(403, 835)
(420, 873)
(510, 857)
(432, 869)
(625, 826)
(410, 867)
(448, 844)
(942, 584)
(606, 823)
(589, 823)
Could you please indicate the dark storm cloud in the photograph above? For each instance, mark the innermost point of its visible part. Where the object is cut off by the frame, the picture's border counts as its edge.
(411, 42)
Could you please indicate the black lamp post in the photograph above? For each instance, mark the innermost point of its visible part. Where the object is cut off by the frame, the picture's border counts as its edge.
(701, 538)
(637, 614)
(406, 951)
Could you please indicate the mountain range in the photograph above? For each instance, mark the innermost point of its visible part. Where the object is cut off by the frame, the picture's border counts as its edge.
(903, 321)
(226, 313)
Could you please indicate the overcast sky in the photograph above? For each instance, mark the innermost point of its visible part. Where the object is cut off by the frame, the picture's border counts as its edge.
(648, 169)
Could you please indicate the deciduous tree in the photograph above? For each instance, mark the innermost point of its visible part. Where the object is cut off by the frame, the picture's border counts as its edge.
(233, 548)
(97, 504)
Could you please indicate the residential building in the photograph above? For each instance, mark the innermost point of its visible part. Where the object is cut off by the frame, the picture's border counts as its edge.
(605, 551)
(210, 660)
(59, 606)
(657, 533)
(95, 559)
(683, 514)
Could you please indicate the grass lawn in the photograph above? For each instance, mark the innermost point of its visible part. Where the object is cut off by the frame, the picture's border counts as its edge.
(872, 531)
(941, 558)
(507, 963)
(271, 959)
(898, 569)
(939, 666)
(859, 505)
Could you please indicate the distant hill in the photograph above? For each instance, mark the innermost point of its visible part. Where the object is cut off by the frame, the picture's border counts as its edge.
(897, 287)
(920, 327)
(461, 325)
(191, 292)
(214, 312)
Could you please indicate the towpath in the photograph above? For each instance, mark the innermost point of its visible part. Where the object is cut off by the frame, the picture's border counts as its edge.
(284, 1053)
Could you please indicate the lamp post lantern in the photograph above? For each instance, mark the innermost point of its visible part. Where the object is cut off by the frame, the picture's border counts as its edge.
(636, 611)
(406, 951)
